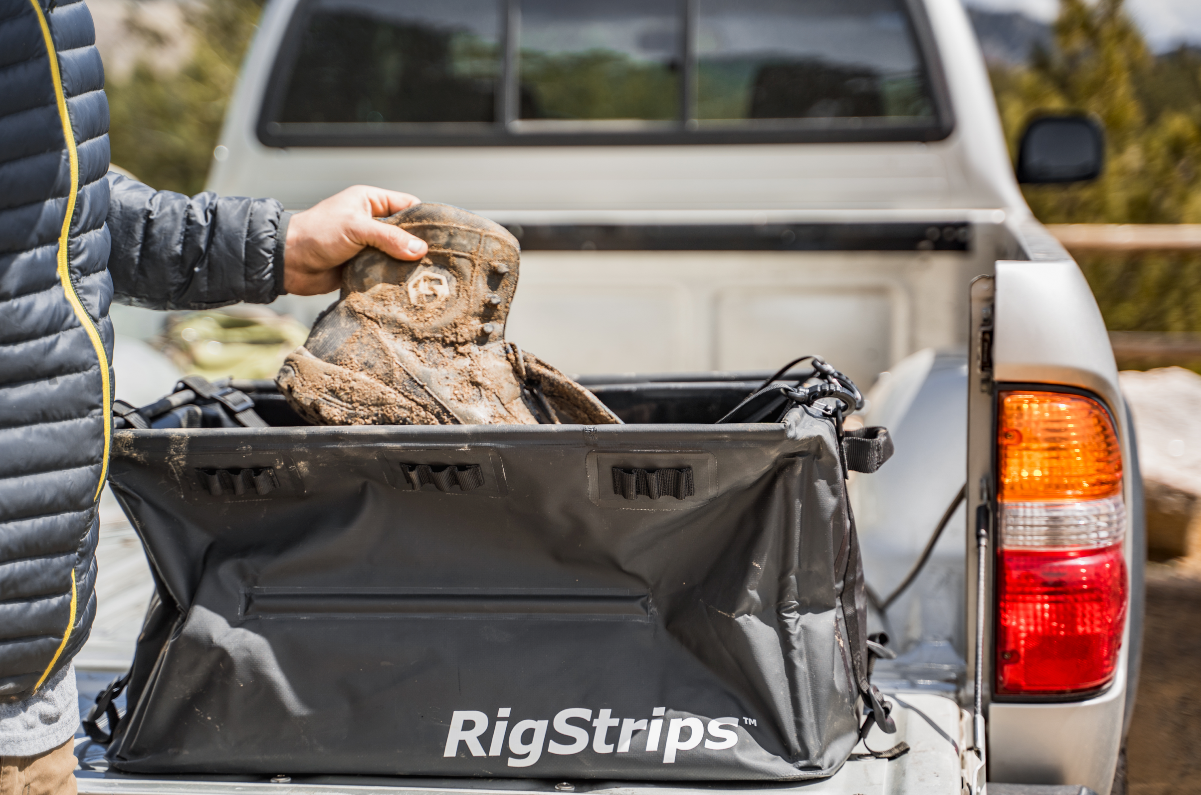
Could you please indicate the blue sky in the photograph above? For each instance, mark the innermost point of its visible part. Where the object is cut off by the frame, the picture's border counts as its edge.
(1166, 23)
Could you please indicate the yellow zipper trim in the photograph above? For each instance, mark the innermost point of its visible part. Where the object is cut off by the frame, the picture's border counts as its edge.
(64, 273)
(64, 276)
(66, 635)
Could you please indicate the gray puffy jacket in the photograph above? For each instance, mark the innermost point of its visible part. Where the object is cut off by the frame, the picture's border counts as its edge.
(71, 235)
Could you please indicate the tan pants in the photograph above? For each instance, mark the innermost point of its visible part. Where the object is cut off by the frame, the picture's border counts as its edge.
(51, 773)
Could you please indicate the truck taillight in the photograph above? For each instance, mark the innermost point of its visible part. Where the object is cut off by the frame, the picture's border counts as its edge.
(1061, 569)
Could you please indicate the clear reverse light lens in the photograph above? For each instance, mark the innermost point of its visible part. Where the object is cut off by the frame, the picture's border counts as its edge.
(1095, 523)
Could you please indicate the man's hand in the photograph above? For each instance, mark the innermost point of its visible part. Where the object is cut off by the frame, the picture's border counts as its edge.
(326, 235)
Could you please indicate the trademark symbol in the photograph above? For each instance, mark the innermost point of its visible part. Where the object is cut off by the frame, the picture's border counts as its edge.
(749, 722)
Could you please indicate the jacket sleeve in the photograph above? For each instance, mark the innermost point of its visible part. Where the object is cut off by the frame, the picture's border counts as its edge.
(174, 252)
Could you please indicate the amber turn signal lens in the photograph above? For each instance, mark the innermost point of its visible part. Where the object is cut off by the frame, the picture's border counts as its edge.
(1054, 446)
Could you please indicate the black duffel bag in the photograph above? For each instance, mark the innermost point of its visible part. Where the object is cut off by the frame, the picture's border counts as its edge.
(621, 602)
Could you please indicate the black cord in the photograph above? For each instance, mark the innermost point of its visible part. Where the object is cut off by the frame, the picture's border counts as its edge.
(925, 556)
(821, 366)
(757, 393)
(780, 373)
(801, 396)
(834, 385)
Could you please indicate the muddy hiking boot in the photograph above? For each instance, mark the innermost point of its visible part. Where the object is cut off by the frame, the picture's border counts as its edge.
(423, 343)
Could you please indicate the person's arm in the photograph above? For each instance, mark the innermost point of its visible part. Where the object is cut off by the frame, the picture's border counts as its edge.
(171, 251)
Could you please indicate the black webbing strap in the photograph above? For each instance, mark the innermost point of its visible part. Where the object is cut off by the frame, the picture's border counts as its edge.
(130, 414)
(238, 404)
(105, 710)
(219, 482)
(654, 483)
(876, 709)
(867, 449)
(444, 478)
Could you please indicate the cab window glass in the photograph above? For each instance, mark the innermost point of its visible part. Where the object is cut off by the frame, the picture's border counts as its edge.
(470, 72)
(588, 60)
(396, 61)
(806, 59)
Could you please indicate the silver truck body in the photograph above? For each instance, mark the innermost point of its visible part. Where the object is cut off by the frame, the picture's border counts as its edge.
(913, 315)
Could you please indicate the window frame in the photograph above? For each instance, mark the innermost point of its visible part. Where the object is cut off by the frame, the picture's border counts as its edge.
(508, 131)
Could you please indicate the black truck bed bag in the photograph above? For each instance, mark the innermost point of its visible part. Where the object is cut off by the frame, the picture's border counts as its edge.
(621, 602)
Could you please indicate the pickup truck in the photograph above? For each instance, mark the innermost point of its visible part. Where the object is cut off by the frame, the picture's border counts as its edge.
(715, 187)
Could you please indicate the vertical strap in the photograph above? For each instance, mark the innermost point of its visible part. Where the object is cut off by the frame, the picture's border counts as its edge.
(877, 709)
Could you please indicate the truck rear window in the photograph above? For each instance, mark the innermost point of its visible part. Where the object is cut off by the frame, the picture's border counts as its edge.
(397, 72)
(592, 61)
(397, 61)
(769, 59)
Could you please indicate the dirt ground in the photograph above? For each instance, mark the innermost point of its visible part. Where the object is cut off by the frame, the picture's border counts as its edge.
(1164, 745)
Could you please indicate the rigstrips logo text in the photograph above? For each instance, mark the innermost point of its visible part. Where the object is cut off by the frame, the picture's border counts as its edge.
(576, 727)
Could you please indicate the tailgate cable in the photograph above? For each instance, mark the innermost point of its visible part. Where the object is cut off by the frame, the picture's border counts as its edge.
(983, 517)
(883, 604)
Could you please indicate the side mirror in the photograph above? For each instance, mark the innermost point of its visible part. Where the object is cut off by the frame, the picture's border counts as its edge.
(1061, 149)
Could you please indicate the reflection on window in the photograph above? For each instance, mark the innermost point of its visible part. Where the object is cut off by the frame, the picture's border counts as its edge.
(616, 60)
(807, 59)
(768, 69)
(396, 61)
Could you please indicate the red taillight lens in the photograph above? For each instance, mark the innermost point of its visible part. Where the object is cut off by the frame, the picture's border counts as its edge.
(1061, 569)
(1059, 626)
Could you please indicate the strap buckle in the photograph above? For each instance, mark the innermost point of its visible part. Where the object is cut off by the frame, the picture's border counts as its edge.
(878, 712)
(105, 709)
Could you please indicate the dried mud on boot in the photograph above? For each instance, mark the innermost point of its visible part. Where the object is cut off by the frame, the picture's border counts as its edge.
(423, 343)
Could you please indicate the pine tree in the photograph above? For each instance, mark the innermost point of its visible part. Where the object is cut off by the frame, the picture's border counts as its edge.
(165, 123)
(1151, 110)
